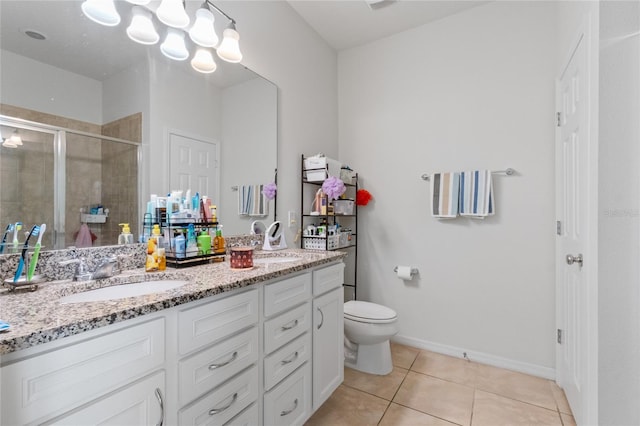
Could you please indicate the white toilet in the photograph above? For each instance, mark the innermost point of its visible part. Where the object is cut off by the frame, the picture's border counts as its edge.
(367, 330)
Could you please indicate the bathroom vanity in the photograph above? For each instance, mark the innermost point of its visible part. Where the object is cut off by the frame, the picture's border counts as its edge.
(261, 346)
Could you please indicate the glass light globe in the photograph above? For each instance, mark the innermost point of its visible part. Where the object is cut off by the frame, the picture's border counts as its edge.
(203, 61)
(229, 49)
(172, 13)
(141, 29)
(102, 12)
(173, 46)
(203, 32)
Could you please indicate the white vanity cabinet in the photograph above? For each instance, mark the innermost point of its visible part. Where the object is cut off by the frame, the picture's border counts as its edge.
(268, 354)
(328, 332)
(90, 373)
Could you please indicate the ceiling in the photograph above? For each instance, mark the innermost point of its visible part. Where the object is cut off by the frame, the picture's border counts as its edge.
(349, 23)
(76, 44)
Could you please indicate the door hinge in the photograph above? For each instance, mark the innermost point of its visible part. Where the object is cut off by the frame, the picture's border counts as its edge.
(558, 119)
(559, 336)
(558, 227)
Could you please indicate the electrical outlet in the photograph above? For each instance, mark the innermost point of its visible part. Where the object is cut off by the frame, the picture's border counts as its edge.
(292, 219)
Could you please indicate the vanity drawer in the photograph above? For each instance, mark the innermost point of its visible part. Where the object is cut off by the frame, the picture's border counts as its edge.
(286, 294)
(204, 324)
(289, 403)
(249, 417)
(328, 278)
(281, 363)
(219, 406)
(57, 381)
(283, 328)
(205, 370)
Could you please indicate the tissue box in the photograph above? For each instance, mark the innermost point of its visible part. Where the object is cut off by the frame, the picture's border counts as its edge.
(318, 169)
(341, 206)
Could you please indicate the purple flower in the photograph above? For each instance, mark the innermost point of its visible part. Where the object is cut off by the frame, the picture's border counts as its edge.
(269, 190)
(333, 187)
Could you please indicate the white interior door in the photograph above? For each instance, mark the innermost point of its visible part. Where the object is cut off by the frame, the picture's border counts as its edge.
(193, 164)
(575, 262)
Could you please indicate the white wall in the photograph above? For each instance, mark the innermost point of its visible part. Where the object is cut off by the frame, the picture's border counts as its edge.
(472, 91)
(37, 86)
(619, 224)
(249, 148)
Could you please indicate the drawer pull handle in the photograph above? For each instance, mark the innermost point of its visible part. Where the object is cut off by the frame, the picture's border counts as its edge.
(222, 364)
(289, 327)
(214, 411)
(287, 412)
(159, 397)
(321, 318)
(290, 360)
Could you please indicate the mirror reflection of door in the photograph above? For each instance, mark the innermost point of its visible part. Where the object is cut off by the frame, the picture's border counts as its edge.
(194, 165)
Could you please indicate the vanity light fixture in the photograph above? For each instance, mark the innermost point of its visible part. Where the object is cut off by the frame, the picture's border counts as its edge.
(15, 138)
(172, 14)
(203, 61)
(8, 144)
(203, 32)
(141, 29)
(102, 12)
(173, 46)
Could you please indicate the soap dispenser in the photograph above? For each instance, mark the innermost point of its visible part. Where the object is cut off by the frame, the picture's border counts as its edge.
(126, 237)
(156, 258)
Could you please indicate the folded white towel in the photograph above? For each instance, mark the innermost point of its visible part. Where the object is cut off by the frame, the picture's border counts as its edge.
(445, 189)
(476, 194)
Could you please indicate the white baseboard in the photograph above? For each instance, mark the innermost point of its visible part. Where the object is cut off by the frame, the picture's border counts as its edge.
(483, 358)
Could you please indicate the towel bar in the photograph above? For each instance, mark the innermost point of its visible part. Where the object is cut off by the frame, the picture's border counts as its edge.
(507, 172)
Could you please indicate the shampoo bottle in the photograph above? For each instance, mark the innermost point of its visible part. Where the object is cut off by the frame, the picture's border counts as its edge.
(126, 237)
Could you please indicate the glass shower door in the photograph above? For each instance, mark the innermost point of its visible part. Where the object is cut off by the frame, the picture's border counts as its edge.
(27, 191)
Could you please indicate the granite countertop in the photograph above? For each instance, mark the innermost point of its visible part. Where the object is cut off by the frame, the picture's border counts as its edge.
(39, 317)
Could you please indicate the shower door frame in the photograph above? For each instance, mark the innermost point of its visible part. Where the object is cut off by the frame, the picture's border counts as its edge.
(59, 167)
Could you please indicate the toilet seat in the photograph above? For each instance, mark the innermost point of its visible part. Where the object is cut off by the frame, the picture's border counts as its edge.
(368, 312)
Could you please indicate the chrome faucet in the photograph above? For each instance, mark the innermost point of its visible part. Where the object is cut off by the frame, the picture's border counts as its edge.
(108, 267)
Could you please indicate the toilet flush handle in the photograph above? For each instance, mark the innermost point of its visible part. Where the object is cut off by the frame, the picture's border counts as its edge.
(321, 318)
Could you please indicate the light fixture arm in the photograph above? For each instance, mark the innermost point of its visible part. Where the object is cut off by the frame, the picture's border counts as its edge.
(209, 4)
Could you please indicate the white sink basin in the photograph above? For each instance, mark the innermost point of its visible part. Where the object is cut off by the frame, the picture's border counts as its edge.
(275, 259)
(123, 290)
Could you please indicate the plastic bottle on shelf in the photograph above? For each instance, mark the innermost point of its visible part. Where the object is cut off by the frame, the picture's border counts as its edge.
(219, 244)
(126, 237)
(204, 243)
(180, 246)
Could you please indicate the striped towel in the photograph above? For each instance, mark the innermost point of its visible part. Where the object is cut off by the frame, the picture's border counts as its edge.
(251, 201)
(445, 188)
(476, 194)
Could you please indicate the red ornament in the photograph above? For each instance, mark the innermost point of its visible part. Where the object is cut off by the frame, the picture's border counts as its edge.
(363, 197)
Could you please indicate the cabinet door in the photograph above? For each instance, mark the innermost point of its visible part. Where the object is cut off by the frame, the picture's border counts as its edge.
(141, 403)
(328, 345)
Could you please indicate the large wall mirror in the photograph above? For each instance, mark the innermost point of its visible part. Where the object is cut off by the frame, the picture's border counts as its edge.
(127, 118)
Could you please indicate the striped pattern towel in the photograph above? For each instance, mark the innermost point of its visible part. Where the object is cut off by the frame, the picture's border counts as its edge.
(476, 194)
(252, 202)
(445, 188)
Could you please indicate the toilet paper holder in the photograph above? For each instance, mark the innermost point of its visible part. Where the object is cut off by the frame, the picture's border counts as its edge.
(414, 271)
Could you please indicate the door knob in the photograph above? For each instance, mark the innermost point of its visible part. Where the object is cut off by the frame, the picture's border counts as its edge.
(574, 259)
